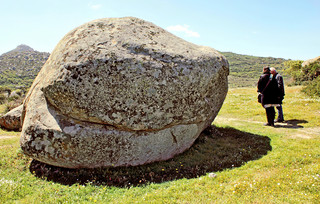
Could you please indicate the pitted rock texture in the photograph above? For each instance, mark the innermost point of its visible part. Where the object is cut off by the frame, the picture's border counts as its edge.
(12, 119)
(120, 92)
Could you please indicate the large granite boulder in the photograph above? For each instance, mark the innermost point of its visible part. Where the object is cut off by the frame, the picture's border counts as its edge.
(12, 120)
(121, 92)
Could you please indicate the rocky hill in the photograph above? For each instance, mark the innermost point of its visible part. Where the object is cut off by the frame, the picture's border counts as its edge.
(20, 66)
(22, 48)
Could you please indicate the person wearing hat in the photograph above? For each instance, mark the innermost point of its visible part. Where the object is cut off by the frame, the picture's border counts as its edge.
(268, 87)
(279, 80)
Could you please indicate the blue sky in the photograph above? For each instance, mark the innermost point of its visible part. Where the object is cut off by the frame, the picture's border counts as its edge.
(276, 28)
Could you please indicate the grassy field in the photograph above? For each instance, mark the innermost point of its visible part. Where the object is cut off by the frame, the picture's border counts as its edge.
(251, 163)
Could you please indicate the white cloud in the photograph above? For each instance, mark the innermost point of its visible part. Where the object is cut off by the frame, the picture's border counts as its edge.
(95, 6)
(183, 29)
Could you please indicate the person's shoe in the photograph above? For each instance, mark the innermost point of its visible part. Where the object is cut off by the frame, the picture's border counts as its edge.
(278, 121)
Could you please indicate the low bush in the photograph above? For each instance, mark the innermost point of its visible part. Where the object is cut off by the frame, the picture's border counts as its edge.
(306, 75)
(312, 88)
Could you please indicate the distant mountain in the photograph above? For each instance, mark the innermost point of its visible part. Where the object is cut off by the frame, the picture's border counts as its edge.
(20, 66)
(22, 48)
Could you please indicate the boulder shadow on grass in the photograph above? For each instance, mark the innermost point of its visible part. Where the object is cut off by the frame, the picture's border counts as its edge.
(216, 149)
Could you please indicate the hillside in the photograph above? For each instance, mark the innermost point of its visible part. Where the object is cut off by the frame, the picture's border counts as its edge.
(20, 66)
(245, 69)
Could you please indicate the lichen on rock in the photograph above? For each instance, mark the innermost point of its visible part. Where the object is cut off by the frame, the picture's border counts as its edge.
(121, 79)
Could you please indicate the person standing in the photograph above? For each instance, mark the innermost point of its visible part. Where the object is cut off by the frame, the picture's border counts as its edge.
(279, 80)
(268, 87)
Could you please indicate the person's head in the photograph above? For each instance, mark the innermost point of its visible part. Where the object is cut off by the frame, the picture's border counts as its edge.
(266, 69)
(273, 70)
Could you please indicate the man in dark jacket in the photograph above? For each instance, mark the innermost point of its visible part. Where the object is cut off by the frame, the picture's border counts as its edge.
(268, 87)
(279, 80)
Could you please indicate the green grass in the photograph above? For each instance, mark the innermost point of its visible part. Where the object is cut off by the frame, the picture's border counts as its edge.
(282, 164)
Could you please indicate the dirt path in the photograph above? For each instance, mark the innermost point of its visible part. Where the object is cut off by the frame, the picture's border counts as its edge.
(307, 133)
(296, 127)
(6, 137)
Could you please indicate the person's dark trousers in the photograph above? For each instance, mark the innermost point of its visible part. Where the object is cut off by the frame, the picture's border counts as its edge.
(280, 114)
(270, 115)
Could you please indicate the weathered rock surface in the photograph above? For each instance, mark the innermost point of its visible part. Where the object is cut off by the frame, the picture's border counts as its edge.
(311, 61)
(119, 92)
(12, 119)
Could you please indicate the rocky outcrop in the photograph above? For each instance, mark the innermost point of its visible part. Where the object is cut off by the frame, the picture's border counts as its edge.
(12, 119)
(121, 92)
(314, 68)
(311, 61)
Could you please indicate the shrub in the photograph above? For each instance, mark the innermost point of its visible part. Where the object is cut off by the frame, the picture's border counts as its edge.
(14, 103)
(312, 88)
(306, 75)
(294, 70)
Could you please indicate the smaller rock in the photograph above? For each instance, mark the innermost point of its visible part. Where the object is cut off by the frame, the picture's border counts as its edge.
(212, 175)
(12, 119)
(14, 94)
